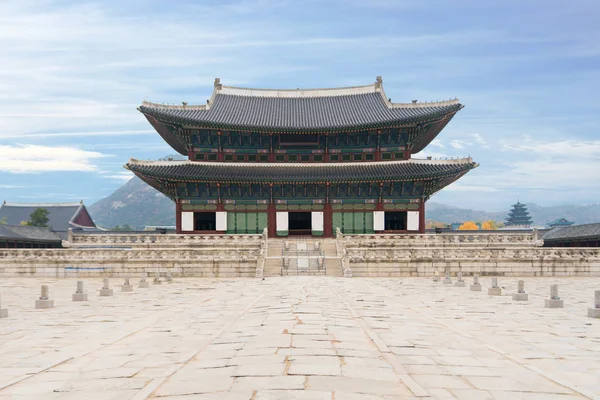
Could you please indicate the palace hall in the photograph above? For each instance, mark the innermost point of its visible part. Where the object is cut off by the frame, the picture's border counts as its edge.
(300, 161)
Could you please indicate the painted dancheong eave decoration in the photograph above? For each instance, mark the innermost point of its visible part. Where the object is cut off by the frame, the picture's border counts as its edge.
(300, 162)
(361, 112)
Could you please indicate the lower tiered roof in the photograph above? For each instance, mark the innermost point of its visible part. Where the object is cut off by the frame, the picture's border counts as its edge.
(404, 170)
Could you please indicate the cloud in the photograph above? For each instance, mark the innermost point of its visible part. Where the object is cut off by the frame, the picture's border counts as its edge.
(459, 144)
(480, 140)
(76, 134)
(123, 176)
(35, 158)
(437, 143)
(562, 149)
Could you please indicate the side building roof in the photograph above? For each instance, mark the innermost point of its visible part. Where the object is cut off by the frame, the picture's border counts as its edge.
(574, 232)
(61, 217)
(29, 233)
(299, 110)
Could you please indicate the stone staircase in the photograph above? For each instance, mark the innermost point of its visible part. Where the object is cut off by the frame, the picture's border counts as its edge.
(302, 256)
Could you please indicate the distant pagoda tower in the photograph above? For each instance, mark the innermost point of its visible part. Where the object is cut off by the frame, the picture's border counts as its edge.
(518, 216)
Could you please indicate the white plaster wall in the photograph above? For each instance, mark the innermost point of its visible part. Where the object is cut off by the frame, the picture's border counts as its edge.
(282, 219)
(187, 221)
(221, 221)
(317, 221)
(412, 220)
(379, 220)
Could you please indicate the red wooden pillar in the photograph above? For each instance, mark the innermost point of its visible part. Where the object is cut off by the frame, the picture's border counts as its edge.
(422, 216)
(406, 153)
(378, 148)
(178, 217)
(327, 221)
(272, 220)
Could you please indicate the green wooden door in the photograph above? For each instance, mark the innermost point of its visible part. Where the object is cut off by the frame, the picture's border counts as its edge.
(263, 221)
(252, 222)
(336, 219)
(369, 222)
(240, 221)
(230, 222)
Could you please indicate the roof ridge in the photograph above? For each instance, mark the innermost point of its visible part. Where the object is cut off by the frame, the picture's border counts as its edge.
(376, 87)
(63, 204)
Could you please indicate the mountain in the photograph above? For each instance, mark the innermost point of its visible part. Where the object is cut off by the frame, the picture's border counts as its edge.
(136, 204)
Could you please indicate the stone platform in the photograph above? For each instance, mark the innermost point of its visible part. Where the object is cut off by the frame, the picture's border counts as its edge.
(300, 338)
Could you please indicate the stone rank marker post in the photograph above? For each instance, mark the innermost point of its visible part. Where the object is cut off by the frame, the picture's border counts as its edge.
(495, 290)
(79, 294)
(127, 287)
(106, 290)
(447, 279)
(143, 284)
(156, 280)
(436, 276)
(44, 301)
(476, 286)
(554, 301)
(520, 295)
(169, 278)
(592, 312)
(3, 311)
(460, 282)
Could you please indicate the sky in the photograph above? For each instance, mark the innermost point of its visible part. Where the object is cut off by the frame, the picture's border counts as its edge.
(72, 74)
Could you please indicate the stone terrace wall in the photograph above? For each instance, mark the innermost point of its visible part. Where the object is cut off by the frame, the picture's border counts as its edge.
(487, 254)
(116, 262)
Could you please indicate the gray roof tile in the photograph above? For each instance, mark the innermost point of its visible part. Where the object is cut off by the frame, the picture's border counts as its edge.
(586, 231)
(59, 217)
(327, 172)
(285, 110)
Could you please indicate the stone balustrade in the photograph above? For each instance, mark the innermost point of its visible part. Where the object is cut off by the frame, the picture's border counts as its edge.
(454, 239)
(152, 239)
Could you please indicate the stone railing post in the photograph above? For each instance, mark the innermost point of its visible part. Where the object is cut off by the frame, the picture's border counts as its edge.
(260, 264)
(265, 240)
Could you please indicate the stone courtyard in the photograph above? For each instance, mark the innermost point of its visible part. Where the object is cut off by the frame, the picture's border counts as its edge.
(299, 338)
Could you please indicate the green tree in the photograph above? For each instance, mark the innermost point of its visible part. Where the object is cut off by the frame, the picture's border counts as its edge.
(39, 217)
(3, 221)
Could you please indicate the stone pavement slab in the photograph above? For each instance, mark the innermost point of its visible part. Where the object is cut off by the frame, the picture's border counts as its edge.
(300, 338)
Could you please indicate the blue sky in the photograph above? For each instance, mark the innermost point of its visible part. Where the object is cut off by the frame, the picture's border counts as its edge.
(73, 72)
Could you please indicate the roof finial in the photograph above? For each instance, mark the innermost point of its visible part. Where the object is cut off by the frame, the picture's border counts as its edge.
(218, 85)
(378, 82)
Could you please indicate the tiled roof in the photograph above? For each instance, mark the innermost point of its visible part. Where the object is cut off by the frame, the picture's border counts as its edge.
(586, 231)
(32, 233)
(359, 107)
(59, 218)
(295, 172)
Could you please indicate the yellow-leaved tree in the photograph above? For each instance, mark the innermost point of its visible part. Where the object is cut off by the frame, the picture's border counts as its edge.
(468, 226)
(489, 225)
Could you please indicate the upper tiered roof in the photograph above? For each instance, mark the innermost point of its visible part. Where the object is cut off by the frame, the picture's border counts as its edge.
(310, 110)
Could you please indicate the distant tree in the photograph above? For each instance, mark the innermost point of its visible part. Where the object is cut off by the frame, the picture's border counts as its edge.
(39, 218)
(3, 221)
(468, 226)
(489, 225)
(431, 224)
